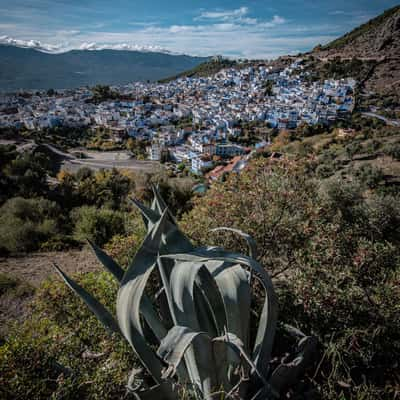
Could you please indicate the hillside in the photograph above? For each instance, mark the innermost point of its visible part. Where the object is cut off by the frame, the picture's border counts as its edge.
(377, 37)
(376, 42)
(32, 69)
(206, 68)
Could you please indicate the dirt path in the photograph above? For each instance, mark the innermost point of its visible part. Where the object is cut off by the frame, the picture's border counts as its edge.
(35, 268)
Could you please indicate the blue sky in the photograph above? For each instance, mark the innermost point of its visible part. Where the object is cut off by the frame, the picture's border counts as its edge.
(250, 29)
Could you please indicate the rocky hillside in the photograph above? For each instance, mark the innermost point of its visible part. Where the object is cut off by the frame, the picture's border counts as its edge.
(379, 37)
(378, 41)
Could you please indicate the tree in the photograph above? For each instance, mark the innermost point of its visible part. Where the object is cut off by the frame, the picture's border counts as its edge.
(268, 87)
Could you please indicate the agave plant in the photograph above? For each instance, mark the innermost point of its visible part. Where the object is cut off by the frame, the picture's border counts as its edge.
(199, 317)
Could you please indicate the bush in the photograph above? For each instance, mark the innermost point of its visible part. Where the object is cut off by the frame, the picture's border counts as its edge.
(369, 175)
(334, 251)
(10, 284)
(26, 223)
(393, 150)
(325, 170)
(98, 225)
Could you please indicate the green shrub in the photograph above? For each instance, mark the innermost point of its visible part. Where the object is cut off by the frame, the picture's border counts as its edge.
(369, 175)
(325, 170)
(334, 247)
(26, 223)
(12, 285)
(393, 150)
(98, 225)
(123, 248)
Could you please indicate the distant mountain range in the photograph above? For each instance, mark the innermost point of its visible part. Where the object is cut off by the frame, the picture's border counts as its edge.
(27, 68)
(31, 65)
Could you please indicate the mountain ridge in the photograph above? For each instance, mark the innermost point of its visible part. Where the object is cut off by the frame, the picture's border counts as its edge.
(31, 69)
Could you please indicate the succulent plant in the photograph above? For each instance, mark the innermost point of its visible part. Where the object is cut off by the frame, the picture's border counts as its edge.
(198, 318)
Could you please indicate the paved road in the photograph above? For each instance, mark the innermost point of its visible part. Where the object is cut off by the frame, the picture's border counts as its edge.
(73, 163)
(382, 118)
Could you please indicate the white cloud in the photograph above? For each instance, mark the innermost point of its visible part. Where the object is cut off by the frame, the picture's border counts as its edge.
(338, 12)
(32, 44)
(123, 46)
(48, 48)
(223, 14)
(239, 36)
(276, 20)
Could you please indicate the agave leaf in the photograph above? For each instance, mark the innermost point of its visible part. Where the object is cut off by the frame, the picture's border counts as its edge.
(146, 308)
(250, 241)
(267, 324)
(287, 373)
(160, 204)
(107, 261)
(128, 312)
(146, 256)
(173, 347)
(213, 299)
(150, 217)
(179, 341)
(174, 240)
(235, 290)
(130, 297)
(165, 312)
(152, 318)
(236, 344)
(189, 311)
(181, 287)
(168, 311)
(102, 314)
(182, 283)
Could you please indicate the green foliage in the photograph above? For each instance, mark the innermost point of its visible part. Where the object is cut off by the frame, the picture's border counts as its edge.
(22, 174)
(26, 223)
(393, 150)
(62, 351)
(103, 93)
(369, 175)
(176, 192)
(137, 147)
(98, 225)
(353, 68)
(201, 315)
(268, 87)
(11, 285)
(325, 170)
(334, 249)
(26, 174)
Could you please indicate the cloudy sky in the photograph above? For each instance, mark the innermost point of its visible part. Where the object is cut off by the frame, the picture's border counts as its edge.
(250, 29)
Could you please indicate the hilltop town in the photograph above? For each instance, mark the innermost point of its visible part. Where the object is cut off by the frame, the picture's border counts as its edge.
(195, 121)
